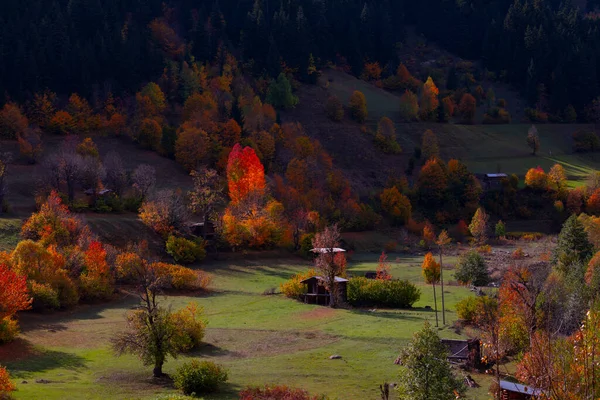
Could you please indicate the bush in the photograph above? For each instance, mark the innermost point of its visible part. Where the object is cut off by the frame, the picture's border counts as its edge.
(471, 269)
(306, 245)
(334, 109)
(390, 293)
(280, 392)
(485, 249)
(536, 116)
(293, 288)
(585, 140)
(518, 254)
(531, 236)
(185, 251)
(9, 329)
(6, 385)
(126, 265)
(44, 296)
(466, 309)
(496, 115)
(190, 327)
(199, 377)
(182, 278)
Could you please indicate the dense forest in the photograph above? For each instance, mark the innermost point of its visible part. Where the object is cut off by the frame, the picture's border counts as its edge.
(547, 48)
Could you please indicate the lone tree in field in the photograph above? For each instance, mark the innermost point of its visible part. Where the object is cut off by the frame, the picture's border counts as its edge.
(533, 139)
(471, 269)
(358, 107)
(478, 226)
(442, 241)
(426, 372)
(206, 194)
(431, 273)
(330, 261)
(150, 332)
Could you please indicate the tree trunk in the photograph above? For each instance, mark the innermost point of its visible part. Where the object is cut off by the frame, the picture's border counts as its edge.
(158, 364)
(435, 306)
(205, 226)
(442, 286)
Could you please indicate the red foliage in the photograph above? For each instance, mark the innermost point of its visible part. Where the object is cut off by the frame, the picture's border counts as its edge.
(5, 384)
(245, 173)
(383, 269)
(13, 296)
(593, 203)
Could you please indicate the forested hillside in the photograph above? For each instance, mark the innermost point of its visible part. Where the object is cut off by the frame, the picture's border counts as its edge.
(548, 49)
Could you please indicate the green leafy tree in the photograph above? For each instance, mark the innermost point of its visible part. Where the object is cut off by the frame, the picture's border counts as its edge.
(573, 246)
(426, 372)
(471, 269)
(279, 93)
(500, 229)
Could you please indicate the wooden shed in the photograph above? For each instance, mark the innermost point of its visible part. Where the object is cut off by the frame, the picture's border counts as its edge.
(464, 351)
(516, 391)
(317, 293)
(493, 181)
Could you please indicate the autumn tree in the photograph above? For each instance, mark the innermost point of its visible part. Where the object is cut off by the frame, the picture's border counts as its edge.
(371, 71)
(200, 107)
(536, 178)
(87, 148)
(334, 109)
(245, 174)
(448, 107)
(329, 263)
(429, 102)
(231, 133)
(30, 144)
(279, 93)
(61, 123)
(150, 101)
(13, 297)
(429, 145)
(478, 226)
(258, 116)
(409, 106)
(358, 107)
(533, 139)
(442, 241)
(593, 203)
(431, 274)
(144, 179)
(12, 121)
(165, 212)
(557, 177)
(396, 205)
(149, 133)
(96, 281)
(83, 118)
(487, 319)
(41, 109)
(192, 145)
(206, 195)
(432, 183)
(467, 108)
(383, 268)
(426, 373)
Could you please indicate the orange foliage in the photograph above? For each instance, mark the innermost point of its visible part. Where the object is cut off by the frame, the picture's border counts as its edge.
(149, 134)
(371, 71)
(62, 123)
(593, 203)
(396, 204)
(431, 269)
(536, 178)
(383, 268)
(88, 148)
(81, 111)
(231, 133)
(96, 280)
(429, 100)
(166, 38)
(200, 106)
(574, 201)
(467, 108)
(245, 174)
(192, 145)
(12, 121)
(5, 384)
(13, 296)
(117, 124)
(258, 116)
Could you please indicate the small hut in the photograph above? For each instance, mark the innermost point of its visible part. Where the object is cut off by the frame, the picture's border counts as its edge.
(493, 181)
(316, 292)
(464, 351)
(516, 391)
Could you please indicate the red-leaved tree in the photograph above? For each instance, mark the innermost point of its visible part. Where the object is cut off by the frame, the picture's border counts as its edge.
(245, 173)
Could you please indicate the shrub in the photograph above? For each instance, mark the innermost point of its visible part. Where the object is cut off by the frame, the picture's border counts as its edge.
(518, 253)
(471, 269)
(466, 309)
(280, 392)
(190, 327)
(390, 293)
(199, 377)
(496, 115)
(182, 278)
(585, 140)
(292, 288)
(500, 229)
(485, 249)
(5, 384)
(532, 236)
(9, 329)
(44, 296)
(126, 265)
(334, 109)
(306, 245)
(358, 107)
(536, 116)
(185, 251)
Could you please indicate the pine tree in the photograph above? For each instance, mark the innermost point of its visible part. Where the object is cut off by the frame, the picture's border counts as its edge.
(573, 245)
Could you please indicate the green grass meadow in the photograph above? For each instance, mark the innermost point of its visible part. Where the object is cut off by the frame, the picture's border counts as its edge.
(259, 338)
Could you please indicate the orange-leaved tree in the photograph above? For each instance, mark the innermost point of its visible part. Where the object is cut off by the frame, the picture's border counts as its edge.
(396, 205)
(192, 145)
(536, 178)
(383, 268)
(245, 174)
(429, 100)
(478, 226)
(96, 280)
(5, 384)
(13, 297)
(431, 273)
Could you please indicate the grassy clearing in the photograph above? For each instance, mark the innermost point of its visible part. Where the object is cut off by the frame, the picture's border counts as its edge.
(10, 229)
(260, 339)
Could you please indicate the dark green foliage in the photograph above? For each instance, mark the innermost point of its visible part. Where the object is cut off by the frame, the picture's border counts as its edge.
(198, 377)
(500, 229)
(471, 269)
(573, 246)
(426, 373)
(388, 293)
(585, 140)
(466, 309)
(185, 251)
(306, 245)
(279, 93)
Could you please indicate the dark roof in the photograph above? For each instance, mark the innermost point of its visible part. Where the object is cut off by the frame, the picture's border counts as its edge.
(518, 388)
(320, 278)
(457, 348)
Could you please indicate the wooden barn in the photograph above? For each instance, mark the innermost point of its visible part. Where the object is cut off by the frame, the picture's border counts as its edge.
(492, 181)
(316, 292)
(464, 351)
(197, 229)
(516, 391)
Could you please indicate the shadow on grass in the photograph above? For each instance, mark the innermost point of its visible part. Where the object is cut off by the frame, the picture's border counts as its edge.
(43, 360)
(210, 350)
(398, 315)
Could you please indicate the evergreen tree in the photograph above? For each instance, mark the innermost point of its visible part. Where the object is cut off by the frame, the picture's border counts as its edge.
(279, 93)
(573, 246)
(426, 372)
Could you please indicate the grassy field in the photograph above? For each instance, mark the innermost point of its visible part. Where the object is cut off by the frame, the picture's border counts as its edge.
(260, 339)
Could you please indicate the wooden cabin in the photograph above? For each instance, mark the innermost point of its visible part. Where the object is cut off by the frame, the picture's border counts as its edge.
(464, 351)
(492, 181)
(316, 293)
(197, 229)
(516, 391)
